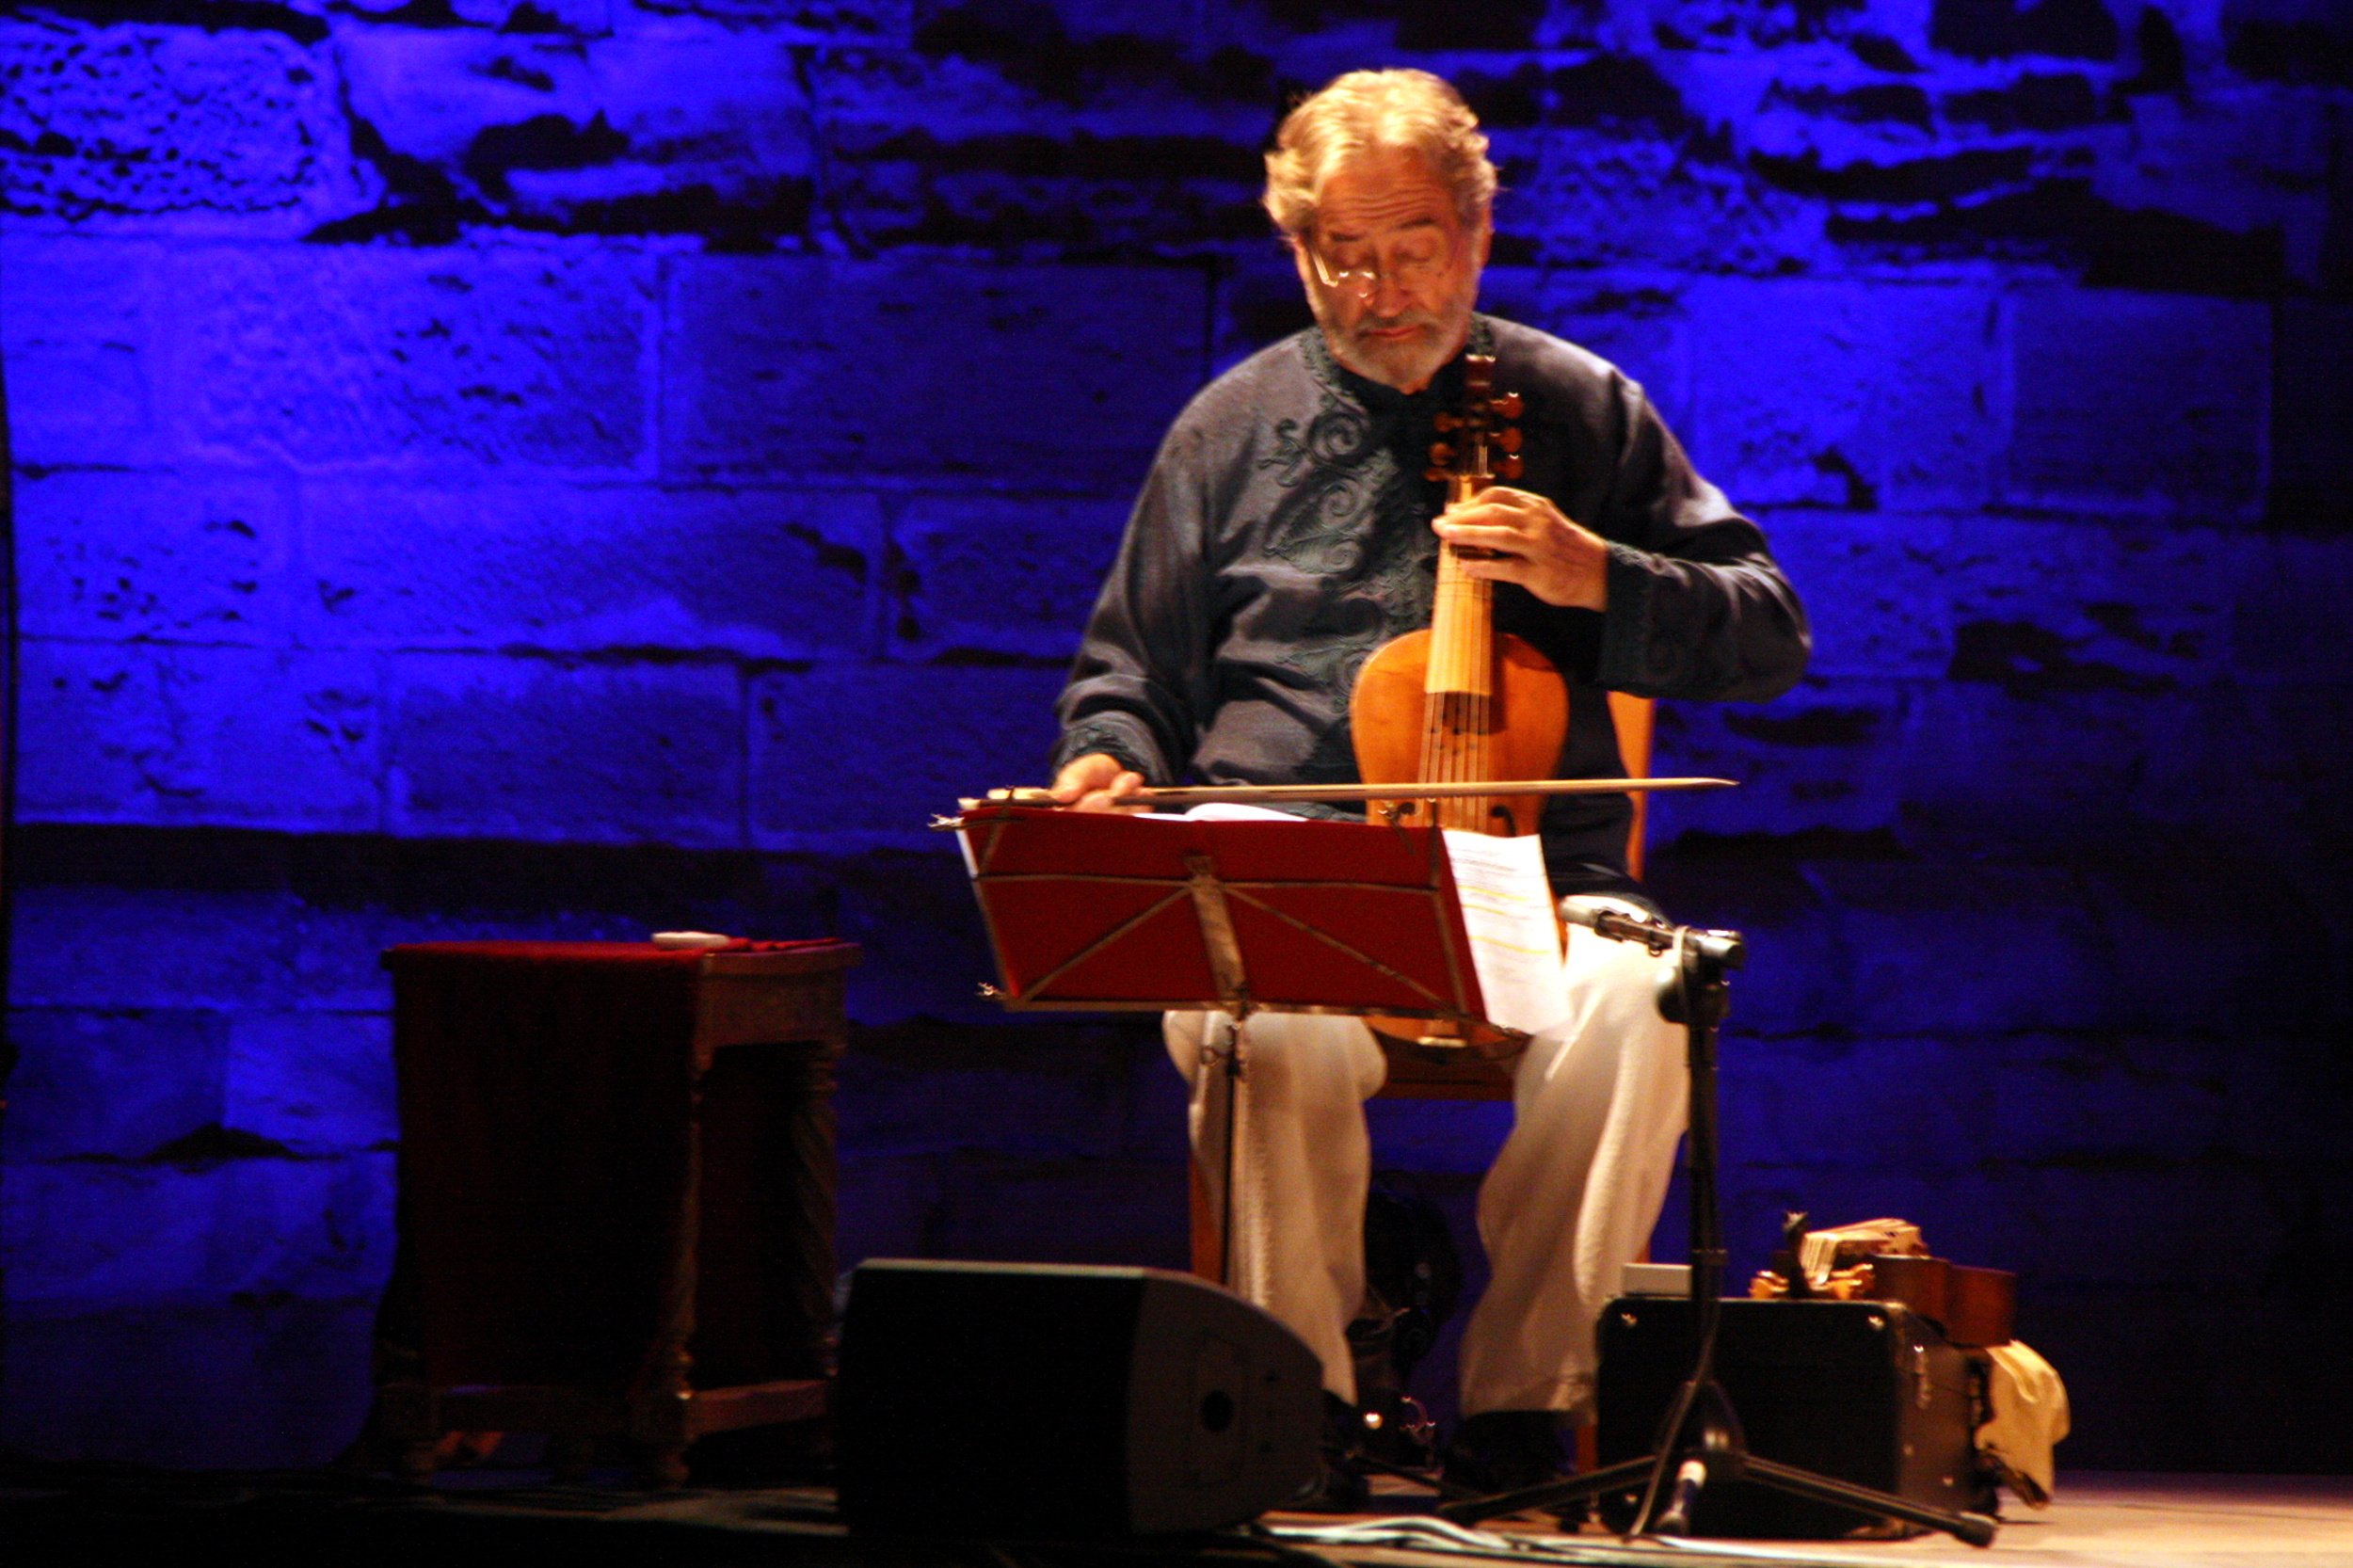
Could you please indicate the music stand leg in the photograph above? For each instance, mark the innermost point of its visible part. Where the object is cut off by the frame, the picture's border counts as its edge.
(1230, 1067)
(1701, 1440)
(1233, 1126)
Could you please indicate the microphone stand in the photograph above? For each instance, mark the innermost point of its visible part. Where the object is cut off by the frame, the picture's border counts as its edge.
(1700, 1442)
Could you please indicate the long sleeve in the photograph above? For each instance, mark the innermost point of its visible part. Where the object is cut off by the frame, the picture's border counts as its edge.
(1142, 675)
(1697, 609)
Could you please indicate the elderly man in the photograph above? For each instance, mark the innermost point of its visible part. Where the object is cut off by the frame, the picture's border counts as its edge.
(1285, 532)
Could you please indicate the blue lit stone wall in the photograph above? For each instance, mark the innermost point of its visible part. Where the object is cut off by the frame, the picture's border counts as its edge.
(571, 467)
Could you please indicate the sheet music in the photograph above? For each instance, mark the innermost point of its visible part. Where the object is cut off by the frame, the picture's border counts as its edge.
(1516, 941)
(1231, 810)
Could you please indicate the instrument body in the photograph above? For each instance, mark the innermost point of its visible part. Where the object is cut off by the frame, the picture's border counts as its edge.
(1513, 729)
(1458, 703)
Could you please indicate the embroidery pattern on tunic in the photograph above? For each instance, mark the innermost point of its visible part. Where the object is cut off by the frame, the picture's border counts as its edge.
(1356, 523)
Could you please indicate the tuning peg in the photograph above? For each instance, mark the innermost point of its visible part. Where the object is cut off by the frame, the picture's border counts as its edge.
(1436, 475)
(1507, 407)
(1511, 468)
(1442, 421)
(1507, 437)
(1442, 452)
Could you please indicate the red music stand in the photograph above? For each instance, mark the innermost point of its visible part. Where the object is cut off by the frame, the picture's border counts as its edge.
(1106, 912)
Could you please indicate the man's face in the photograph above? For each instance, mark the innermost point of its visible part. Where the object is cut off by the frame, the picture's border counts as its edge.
(1406, 270)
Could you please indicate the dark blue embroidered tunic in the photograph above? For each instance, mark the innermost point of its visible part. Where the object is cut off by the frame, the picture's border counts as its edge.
(1283, 535)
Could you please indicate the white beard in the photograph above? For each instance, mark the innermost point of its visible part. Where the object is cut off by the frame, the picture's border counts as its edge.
(1409, 363)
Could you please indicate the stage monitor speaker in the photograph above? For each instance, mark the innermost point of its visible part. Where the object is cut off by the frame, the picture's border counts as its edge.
(1049, 1402)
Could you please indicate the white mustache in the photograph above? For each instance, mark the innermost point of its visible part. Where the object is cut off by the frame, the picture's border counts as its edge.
(1389, 324)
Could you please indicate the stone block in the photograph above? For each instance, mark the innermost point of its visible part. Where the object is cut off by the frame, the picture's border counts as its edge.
(885, 1205)
(927, 950)
(163, 122)
(2157, 1223)
(316, 1081)
(2062, 775)
(2055, 606)
(2284, 621)
(1641, 324)
(2114, 1101)
(2287, 1102)
(1879, 1103)
(1874, 587)
(79, 334)
(148, 732)
(861, 756)
(117, 1083)
(426, 93)
(1624, 198)
(251, 1381)
(526, 356)
(542, 748)
(845, 23)
(1848, 395)
(1968, 949)
(1258, 300)
(2148, 402)
(2311, 411)
(357, 896)
(127, 949)
(1064, 1212)
(1001, 574)
(1035, 1091)
(1795, 980)
(1158, 1097)
(2237, 178)
(87, 1236)
(2185, 971)
(1824, 756)
(790, 366)
(1096, 146)
(1457, 1137)
(2217, 780)
(767, 574)
(115, 555)
(661, 128)
(2286, 792)
(577, 18)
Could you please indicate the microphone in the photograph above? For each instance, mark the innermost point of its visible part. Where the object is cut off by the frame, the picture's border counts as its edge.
(1616, 924)
(1727, 949)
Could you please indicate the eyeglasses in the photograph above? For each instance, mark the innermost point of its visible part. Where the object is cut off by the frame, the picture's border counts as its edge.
(1409, 269)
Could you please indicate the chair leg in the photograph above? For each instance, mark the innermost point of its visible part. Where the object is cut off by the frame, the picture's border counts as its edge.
(1203, 1229)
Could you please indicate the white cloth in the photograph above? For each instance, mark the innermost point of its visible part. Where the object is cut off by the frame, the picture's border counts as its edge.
(2029, 1416)
(1598, 1105)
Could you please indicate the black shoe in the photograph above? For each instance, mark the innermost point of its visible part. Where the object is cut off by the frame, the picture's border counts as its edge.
(1508, 1450)
(1340, 1486)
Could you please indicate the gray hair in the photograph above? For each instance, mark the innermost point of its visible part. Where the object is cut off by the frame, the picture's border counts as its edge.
(1366, 110)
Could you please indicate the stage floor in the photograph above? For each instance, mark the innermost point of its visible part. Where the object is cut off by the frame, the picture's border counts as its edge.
(2096, 1521)
(2155, 1522)
(93, 1515)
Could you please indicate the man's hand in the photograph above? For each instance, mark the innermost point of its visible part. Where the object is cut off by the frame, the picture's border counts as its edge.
(1098, 782)
(1533, 545)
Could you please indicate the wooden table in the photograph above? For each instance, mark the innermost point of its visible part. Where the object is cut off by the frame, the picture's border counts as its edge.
(616, 1194)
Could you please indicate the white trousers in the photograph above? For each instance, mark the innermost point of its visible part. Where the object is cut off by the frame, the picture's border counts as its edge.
(1598, 1105)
